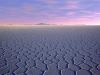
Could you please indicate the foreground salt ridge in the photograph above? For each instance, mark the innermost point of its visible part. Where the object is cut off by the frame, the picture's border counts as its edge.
(59, 51)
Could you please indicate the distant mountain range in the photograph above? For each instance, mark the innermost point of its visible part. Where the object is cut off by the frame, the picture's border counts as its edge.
(36, 24)
(43, 24)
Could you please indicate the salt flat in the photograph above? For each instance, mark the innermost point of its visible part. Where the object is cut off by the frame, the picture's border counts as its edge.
(50, 50)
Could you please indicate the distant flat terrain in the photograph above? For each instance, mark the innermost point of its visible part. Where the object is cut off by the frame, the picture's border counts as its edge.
(50, 50)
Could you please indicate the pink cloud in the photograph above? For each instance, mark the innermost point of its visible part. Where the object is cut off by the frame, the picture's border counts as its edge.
(72, 5)
(49, 1)
(27, 8)
(91, 19)
(12, 11)
(96, 0)
(92, 15)
(9, 11)
(71, 13)
(97, 13)
(86, 12)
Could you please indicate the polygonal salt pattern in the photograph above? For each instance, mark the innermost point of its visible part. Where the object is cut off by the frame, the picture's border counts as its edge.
(50, 51)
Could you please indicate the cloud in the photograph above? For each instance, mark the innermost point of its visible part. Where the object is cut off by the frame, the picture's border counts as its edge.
(96, 0)
(49, 1)
(12, 11)
(27, 8)
(97, 13)
(71, 13)
(72, 5)
(2, 10)
(86, 11)
(92, 15)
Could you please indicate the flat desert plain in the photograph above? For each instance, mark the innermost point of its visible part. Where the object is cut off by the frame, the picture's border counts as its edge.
(50, 50)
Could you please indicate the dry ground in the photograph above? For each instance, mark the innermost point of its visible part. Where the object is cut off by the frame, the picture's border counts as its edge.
(50, 50)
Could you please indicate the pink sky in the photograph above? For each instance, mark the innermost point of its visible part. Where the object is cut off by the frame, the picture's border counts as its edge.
(67, 12)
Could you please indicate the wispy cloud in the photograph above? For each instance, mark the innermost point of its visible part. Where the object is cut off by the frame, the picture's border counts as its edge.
(62, 11)
(49, 1)
(27, 8)
(72, 5)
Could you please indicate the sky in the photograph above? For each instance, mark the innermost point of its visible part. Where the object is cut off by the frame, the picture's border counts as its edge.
(69, 12)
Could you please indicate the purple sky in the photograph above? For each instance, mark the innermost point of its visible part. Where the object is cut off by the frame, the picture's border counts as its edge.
(50, 11)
